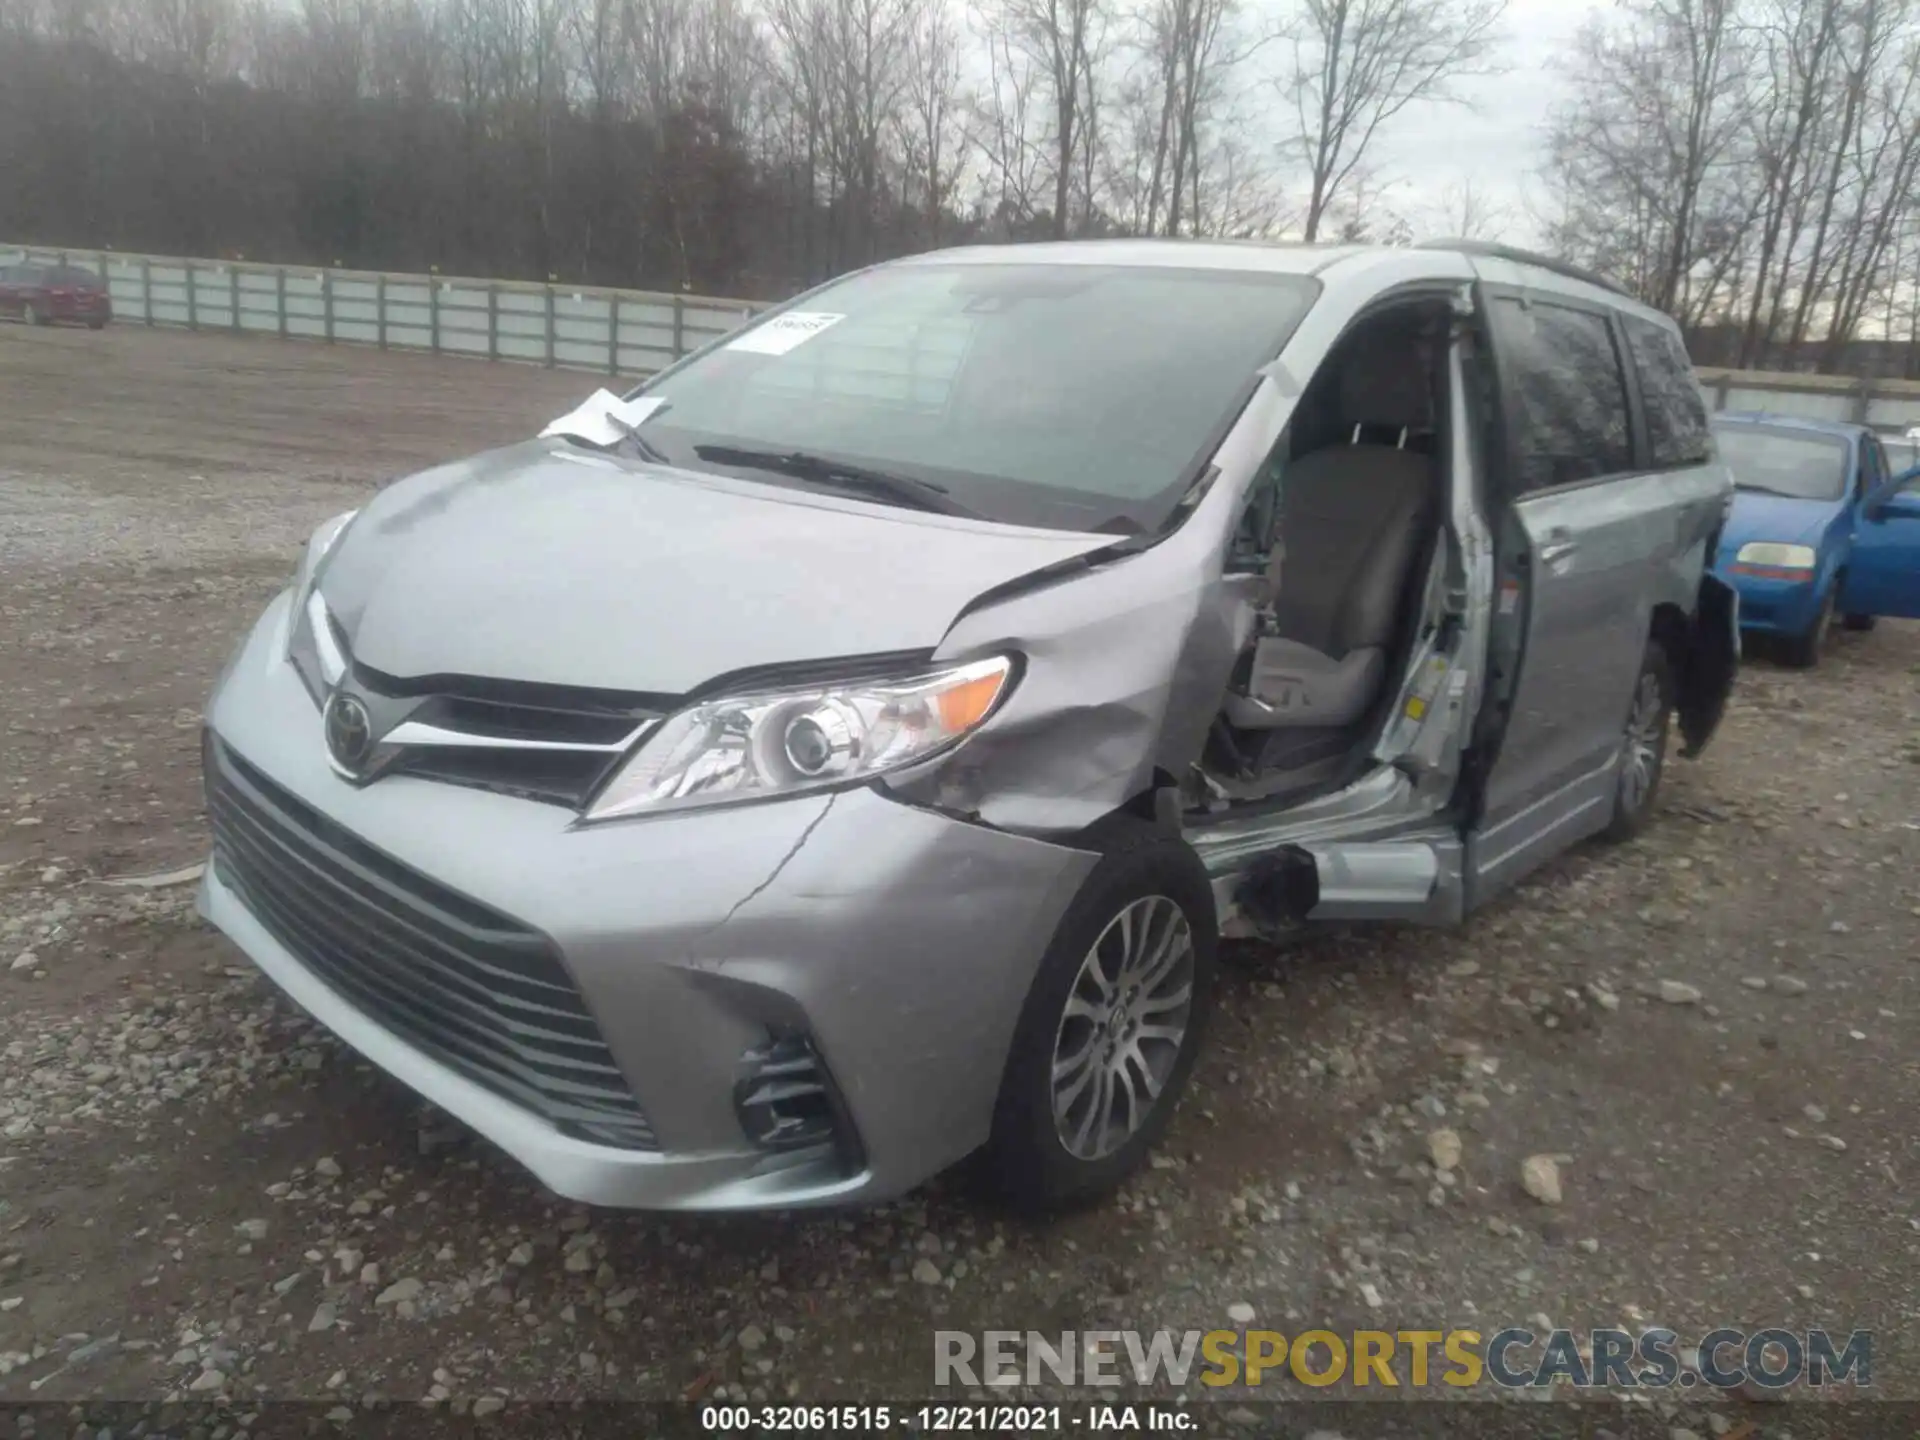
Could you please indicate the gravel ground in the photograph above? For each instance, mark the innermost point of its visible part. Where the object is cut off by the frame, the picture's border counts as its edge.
(1711, 1032)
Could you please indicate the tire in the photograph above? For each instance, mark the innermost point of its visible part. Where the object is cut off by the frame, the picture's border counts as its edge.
(1147, 885)
(1802, 651)
(1643, 746)
(1859, 622)
(96, 324)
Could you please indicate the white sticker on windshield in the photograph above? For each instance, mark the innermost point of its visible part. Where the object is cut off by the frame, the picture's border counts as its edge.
(785, 332)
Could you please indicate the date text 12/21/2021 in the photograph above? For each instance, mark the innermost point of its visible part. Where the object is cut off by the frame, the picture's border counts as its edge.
(980, 1419)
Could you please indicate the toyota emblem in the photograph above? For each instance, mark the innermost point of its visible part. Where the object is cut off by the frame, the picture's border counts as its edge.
(349, 731)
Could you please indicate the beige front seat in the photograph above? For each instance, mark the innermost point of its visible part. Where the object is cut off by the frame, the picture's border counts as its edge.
(1353, 517)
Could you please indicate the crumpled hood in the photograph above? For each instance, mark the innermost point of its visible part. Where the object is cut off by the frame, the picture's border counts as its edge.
(547, 564)
(1779, 518)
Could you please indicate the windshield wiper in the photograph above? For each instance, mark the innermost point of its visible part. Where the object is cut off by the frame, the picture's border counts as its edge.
(804, 465)
(646, 448)
(1766, 490)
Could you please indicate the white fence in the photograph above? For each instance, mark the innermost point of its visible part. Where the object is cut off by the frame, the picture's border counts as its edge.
(1886, 405)
(576, 327)
(633, 332)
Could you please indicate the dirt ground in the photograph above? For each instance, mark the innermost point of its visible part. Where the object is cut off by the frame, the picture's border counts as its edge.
(201, 1195)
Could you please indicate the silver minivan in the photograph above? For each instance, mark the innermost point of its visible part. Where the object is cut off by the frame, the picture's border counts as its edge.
(842, 755)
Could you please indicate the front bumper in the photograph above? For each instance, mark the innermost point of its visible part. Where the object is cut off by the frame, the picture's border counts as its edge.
(1774, 607)
(902, 942)
(79, 311)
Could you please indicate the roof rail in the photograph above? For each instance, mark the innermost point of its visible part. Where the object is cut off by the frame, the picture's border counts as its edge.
(1517, 256)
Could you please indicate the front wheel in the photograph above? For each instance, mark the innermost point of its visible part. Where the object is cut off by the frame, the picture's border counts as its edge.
(1643, 746)
(1111, 1027)
(1802, 651)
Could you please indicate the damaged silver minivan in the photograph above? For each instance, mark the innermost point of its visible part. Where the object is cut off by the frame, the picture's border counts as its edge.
(842, 755)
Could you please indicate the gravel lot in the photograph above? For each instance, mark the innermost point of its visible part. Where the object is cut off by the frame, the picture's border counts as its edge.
(201, 1195)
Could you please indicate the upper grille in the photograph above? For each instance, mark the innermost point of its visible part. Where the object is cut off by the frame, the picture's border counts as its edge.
(482, 993)
(541, 742)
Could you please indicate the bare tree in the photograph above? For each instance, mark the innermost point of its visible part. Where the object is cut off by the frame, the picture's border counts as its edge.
(1052, 54)
(1356, 65)
(1879, 168)
(1799, 40)
(1467, 212)
(1643, 154)
(1193, 46)
(1005, 132)
(932, 132)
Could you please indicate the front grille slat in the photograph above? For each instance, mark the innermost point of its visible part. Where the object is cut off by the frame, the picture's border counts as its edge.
(348, 949)
(457, 1027)
(538, 1087)
(428, 950)
(375, 883)
(481, 993)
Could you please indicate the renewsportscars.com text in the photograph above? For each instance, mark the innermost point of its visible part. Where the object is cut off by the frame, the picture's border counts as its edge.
(1512, 1358)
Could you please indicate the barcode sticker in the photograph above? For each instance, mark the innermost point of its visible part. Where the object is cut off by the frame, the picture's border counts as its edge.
(784, 332)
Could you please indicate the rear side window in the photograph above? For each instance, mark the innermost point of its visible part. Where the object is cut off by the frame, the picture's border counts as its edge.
(1670, 395)
(1566, 392)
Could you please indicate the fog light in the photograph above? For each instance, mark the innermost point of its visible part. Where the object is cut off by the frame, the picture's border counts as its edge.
(786, 1100)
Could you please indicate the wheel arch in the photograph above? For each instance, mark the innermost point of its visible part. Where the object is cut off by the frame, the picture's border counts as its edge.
(1673, 629)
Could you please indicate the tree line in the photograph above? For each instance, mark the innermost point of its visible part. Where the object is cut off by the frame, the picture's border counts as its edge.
(1748, 165)
(732, 146)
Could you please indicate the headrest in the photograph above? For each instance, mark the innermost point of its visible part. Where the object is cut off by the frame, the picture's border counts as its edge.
(1384, 382)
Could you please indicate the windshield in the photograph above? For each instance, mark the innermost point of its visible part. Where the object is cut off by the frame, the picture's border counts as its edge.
(1080, 397)
(1784, 462)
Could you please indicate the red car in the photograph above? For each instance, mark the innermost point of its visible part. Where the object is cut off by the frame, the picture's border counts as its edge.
(43, 294)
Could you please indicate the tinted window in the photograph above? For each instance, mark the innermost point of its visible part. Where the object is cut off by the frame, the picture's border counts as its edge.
(1079, 396)
(73, 275)
(1669, 394)
(1774, 461)
(1566, 393)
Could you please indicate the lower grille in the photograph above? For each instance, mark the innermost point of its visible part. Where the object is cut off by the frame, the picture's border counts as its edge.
(481, 993)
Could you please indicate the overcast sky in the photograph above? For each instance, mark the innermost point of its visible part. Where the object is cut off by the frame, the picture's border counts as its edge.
(1497, 143)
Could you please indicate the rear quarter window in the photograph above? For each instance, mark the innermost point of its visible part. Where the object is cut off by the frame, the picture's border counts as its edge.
(1676, 415)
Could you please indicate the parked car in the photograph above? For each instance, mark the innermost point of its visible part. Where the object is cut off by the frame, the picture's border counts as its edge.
(47, 294)
(1821, 526)
(846, 758)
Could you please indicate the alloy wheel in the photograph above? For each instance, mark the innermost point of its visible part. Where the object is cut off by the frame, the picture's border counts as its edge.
(1641, 748)
(1123, 1028)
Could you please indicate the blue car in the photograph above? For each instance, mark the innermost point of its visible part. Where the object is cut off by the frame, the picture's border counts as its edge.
(1819, 528)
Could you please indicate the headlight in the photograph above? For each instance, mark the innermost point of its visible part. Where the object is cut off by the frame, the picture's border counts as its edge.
(311, 647)
(1778, 557)
(750, 747)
